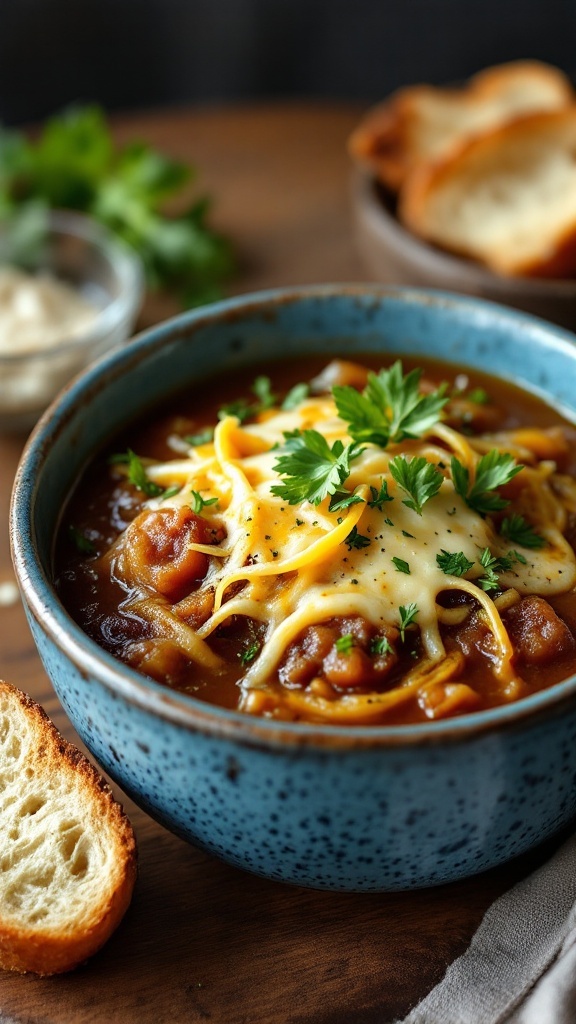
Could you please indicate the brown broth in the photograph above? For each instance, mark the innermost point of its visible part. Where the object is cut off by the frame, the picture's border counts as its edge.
(99, 509)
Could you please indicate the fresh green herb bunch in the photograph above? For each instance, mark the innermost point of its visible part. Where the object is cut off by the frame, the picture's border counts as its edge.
(74, 164)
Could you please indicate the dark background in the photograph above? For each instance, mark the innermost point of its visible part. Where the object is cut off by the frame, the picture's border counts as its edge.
(131, 54)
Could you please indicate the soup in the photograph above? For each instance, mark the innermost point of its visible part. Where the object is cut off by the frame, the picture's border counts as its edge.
(351, 544)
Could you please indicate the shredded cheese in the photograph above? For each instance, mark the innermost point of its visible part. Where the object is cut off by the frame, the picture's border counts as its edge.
(290, 567)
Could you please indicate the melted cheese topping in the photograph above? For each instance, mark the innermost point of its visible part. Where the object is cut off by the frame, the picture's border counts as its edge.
(292, 566)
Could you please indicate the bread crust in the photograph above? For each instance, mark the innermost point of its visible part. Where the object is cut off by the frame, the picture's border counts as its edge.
(512, 159)
(52, 946)
(423, 122)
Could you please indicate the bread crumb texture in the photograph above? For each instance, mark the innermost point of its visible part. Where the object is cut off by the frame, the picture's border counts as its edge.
(68, 852)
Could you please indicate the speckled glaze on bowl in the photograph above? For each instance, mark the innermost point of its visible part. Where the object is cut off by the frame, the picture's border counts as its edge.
(361, 808)
(393, 254)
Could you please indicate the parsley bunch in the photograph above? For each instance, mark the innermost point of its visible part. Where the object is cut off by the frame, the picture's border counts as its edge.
(74, 164)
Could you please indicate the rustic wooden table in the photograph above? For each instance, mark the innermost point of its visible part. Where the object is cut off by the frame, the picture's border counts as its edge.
(203, 941)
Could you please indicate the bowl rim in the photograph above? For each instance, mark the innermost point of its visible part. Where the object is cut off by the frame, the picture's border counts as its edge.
(183, 710)
(126, 267)
(392, 234)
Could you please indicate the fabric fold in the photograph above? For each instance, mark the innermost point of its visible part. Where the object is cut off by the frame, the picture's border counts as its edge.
(520, 967)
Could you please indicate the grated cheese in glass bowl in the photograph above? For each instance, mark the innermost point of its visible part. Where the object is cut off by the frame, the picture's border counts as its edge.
(69, 291)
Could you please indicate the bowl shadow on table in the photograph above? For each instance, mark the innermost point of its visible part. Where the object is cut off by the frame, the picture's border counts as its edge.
(243, 948)
(395, 256)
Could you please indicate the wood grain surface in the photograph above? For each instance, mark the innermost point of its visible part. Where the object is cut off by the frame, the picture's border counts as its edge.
(203, 941)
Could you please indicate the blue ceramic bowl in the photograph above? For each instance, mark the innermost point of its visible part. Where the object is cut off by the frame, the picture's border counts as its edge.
(357, 808)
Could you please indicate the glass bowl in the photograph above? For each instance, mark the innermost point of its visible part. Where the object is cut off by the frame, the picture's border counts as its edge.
(83, 254)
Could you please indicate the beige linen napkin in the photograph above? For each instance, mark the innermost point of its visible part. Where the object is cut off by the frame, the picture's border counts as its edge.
(520, 967)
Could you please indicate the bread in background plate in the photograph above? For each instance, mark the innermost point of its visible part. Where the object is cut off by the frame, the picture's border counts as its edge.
(422, 122)
(506, 199)
(68, 852)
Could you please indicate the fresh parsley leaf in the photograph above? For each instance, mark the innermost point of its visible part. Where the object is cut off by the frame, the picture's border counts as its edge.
(356, 540)
(518, 530)
(202, 437)
(81, 541)
(379, 497)
(343, 499)
(312, 468)
(244, 409)
(262, 388)
(345, 643)
(240, 408)
(408, 615)
(246, 656)
(170, 492)
(381, 645)
(296, 396)
(418, 477)
(74, 163)
(391, 407)
(453, 563)
(136, 473)
(517, 557)
(492, 566)
(492, 471)
(479, 396)
(199, 503)
(401, 565)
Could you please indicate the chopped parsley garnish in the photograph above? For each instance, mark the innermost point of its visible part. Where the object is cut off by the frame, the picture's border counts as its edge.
(453, 563)
(343, 499)
(199, 503)
(170, 492)
(379, 497)
(493, 470)
(390, 408)
(244, 409)
(518, 557)
(381, 645)
(312, 468)
(519, 531)
(419, 478)
(492, 567)
(262, 388)
(479, 396)
(408, 615)
(345, 643)
(239, 408)
(295, 396)
(356, 540)
(81, 541)
(249, 653)
(137, 474)
(201, 437)
(401, 565)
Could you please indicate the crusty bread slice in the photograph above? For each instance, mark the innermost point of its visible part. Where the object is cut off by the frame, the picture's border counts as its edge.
(508, 198)
(67, 854)
(422, 122)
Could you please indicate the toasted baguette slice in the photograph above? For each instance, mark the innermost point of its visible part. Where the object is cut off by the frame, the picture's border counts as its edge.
(68, 853)
(422, 123)
(508, 198)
